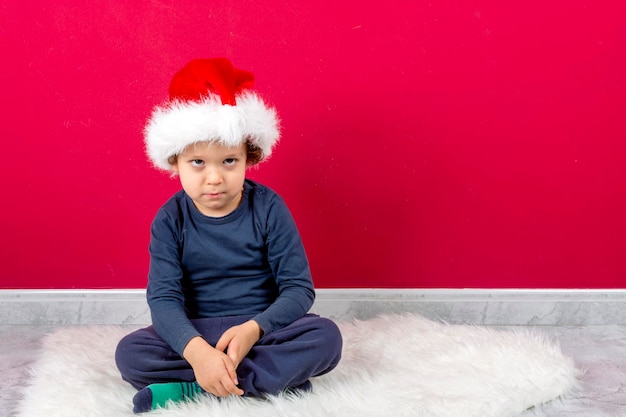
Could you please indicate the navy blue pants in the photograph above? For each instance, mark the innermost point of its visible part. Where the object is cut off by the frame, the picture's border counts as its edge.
(286, 358)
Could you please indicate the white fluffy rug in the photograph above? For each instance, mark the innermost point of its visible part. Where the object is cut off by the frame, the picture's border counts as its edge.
(392, 366)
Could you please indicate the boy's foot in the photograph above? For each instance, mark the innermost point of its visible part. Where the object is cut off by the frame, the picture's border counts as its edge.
(157, 395)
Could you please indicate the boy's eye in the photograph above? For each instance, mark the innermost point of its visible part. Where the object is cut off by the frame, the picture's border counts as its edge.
(230, 161)
(197, 162)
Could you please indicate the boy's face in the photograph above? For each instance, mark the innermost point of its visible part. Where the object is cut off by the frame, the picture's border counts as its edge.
(213, 176)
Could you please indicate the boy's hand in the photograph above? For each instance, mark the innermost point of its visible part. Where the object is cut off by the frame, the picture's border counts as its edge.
(214, 370)
(237, 341)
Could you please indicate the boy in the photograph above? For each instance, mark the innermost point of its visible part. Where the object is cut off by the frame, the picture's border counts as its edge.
(229, 285)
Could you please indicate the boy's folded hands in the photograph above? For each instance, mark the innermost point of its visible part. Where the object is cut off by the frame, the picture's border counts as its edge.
(215, 367)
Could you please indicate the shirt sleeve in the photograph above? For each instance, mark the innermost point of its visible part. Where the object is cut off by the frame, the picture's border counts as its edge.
(290, 266)
(164, 291)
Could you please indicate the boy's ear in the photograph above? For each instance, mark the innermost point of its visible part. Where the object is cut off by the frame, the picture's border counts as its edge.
(174, 163)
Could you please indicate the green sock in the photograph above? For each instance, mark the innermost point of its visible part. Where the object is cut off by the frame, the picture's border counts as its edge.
(157, 395)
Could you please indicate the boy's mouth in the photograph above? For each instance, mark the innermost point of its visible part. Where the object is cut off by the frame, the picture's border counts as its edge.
(213, 195)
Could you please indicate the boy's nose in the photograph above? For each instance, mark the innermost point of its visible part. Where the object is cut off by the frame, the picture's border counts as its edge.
(213, 176)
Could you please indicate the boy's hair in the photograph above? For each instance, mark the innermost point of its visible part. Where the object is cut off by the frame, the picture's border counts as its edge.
(254, 155)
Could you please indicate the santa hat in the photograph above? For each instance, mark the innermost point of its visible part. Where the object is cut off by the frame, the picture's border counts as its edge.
(209, 101)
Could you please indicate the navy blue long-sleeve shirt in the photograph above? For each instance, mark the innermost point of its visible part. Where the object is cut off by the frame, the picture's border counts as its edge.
(251, 261)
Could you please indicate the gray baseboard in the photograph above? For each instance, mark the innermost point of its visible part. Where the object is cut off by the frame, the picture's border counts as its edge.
(475, 306)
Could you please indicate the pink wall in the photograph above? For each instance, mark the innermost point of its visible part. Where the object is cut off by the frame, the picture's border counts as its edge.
(425, 144)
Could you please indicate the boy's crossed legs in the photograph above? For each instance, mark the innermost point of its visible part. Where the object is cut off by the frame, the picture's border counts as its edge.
(284, 359)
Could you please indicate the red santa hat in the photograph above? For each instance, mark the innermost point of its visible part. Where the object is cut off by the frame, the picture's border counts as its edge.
(209, 101)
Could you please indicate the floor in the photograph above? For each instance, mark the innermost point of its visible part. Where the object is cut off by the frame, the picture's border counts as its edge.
(599, 350)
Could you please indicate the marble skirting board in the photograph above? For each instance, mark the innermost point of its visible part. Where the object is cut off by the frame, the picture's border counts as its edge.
(459, 306)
